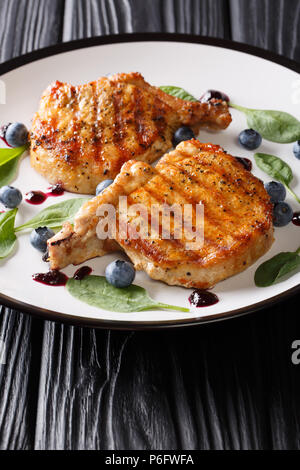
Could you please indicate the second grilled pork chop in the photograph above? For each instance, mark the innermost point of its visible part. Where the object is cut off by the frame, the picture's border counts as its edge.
(237, 219)
(82, 135)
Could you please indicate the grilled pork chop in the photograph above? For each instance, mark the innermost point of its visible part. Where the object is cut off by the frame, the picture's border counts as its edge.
(237, 218)
(82, 135)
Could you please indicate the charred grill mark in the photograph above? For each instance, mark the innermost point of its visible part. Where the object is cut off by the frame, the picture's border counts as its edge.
(94, 127)
(215, 169)
(149, 220)
(156, 195)
(210, 220)
(69, 149)
(187, 199)
(158, 117)
(151, 249)
(148, 249)
(143, 131)
(72, 146)
(179, 165)
(97, 137)
(44, 135)
(243, 183)
(66, 149)
(178, 244)
(79, 147)
(119, 133)
(62, 240)
(239, 180)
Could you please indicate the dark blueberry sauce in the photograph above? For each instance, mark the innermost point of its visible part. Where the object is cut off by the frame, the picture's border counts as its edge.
(35, 197)
(214, 94)
(81, 273)
(247, 164)
(296, 219)
(203, 298)
(51, 278)
(56, 190)
(38, 197)
(3, 130)
(3, 140)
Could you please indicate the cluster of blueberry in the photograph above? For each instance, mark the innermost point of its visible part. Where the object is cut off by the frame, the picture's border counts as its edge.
(251, 140)
(282, 212)
(15, 135)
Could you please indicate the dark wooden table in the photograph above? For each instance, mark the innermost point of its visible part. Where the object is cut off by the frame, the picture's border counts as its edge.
(225, 386)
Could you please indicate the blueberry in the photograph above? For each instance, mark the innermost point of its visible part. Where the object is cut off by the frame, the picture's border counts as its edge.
(276, 191)
(297, 149)
(39, 237)
(210, 94)
(250, 139)
(183, 133)
(120, 273)
(16, 135)
(282, 214)
(101, 186)
(10, 197)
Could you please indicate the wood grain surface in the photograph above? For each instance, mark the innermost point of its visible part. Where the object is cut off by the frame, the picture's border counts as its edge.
(271, 24)
(26, 25)
(225, 386)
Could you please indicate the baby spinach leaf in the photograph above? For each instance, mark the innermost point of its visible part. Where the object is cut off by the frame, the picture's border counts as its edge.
(280, 265)
(7, 155)
(7, 233)
(274, 167)
(276, 126)
(277, 169)
(8, 171)
(96, 291)
(178, 92)
(54, 216)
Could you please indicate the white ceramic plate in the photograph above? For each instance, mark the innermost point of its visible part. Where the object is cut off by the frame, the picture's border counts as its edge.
(195, 64)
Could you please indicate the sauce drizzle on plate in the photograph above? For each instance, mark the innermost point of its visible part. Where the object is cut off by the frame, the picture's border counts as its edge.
(51, 278)
(81, 273)
(296, 219)
(38, 197)
(203, 298)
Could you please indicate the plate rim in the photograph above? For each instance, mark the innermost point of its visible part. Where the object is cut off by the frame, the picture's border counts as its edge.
(77, 44)
(56, 49)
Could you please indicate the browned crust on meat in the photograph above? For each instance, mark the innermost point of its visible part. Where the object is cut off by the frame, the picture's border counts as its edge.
(83, 134)
(238, 215)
